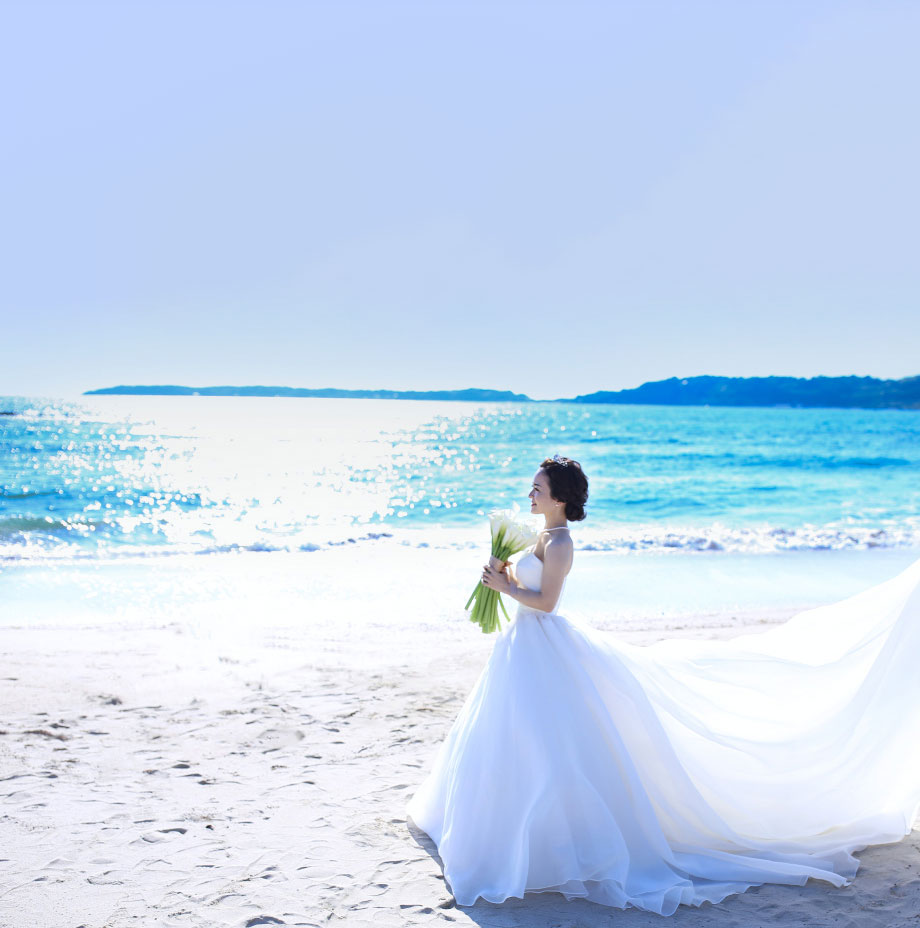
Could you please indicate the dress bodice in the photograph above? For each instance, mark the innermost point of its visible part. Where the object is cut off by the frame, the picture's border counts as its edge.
(529, 571)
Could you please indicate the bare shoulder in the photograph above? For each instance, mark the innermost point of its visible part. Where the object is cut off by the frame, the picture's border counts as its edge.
(557, 538)
(558, 547)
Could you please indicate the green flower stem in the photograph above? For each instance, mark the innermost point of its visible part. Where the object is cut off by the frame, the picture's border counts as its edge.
(485, 600)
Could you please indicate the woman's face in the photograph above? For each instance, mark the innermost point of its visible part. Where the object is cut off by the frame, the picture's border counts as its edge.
(541, 502)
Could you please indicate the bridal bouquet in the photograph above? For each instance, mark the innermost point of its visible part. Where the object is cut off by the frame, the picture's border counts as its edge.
(508, 537)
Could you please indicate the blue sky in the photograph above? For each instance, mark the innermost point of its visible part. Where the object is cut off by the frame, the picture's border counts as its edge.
(552, 198)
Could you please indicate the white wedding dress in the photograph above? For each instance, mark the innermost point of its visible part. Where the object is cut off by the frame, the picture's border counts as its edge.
(685, 771)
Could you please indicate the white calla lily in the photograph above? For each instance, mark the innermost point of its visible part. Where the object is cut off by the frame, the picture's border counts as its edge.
(509, 536)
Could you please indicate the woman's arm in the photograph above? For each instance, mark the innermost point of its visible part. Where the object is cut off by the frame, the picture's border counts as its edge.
(557, 559)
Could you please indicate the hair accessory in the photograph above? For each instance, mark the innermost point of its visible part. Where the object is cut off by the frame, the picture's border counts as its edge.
(560, 460)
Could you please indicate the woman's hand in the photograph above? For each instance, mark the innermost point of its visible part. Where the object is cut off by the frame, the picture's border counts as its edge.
(494, 575)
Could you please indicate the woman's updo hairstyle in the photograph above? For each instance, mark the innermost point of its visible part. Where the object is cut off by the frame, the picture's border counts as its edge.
(567, 484)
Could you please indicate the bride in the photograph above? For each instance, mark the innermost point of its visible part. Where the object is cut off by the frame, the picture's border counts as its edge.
(681, 772)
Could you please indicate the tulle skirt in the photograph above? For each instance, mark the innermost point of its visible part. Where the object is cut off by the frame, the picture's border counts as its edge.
(685, 771)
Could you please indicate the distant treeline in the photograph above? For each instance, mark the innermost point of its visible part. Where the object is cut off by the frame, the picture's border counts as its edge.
(859, 392)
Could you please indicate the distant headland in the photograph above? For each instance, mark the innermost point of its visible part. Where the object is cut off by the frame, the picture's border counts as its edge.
(840, 392)
(852, 392)
(471, 395)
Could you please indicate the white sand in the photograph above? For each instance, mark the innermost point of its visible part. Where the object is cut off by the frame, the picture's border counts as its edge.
(231, 741)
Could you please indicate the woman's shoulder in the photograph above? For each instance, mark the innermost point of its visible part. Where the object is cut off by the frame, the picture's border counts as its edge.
(560, 540)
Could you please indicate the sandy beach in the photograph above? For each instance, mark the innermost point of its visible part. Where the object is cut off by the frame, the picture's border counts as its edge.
(232, 741)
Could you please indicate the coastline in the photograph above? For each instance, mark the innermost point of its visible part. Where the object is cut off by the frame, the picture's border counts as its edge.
(849, 392)
(214, 741)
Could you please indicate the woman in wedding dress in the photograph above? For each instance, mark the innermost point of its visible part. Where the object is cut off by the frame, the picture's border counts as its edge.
(681, 772)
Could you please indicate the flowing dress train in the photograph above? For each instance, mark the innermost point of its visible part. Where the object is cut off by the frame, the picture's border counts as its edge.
(684, 771)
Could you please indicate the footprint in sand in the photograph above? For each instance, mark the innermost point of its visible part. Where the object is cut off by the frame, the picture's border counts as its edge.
(156, 837)
(274, 739)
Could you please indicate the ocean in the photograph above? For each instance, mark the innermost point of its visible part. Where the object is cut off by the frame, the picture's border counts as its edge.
(106, 477)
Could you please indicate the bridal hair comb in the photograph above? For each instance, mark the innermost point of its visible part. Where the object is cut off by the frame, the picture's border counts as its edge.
(560, 460)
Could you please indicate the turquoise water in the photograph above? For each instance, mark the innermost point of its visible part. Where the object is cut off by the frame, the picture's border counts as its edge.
(105, 476)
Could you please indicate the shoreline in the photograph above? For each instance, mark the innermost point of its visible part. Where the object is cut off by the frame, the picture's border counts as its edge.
(605, 587)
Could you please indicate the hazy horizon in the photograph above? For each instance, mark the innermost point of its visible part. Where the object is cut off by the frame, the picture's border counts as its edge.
(241, 386)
